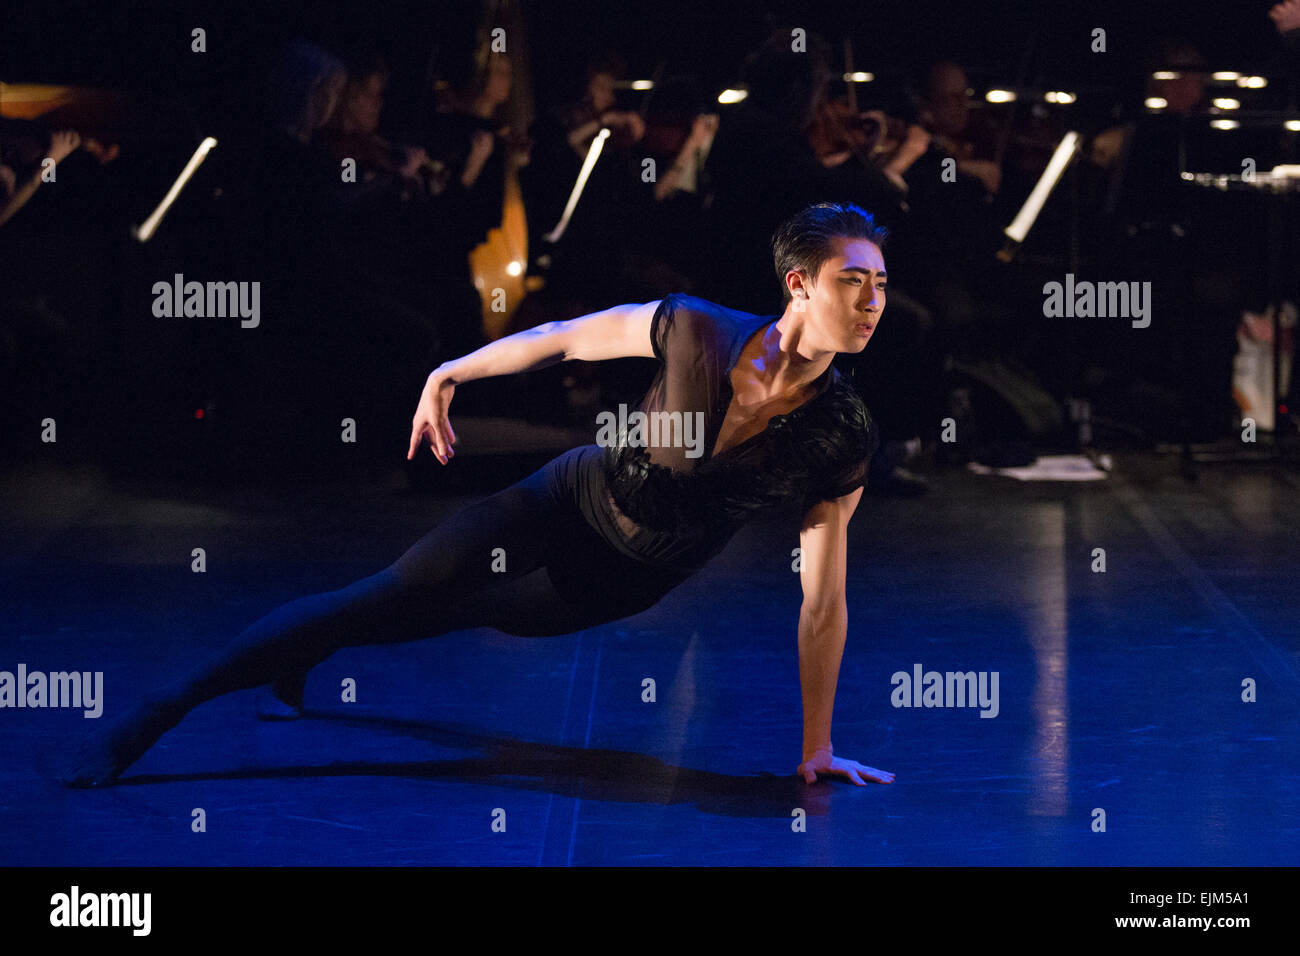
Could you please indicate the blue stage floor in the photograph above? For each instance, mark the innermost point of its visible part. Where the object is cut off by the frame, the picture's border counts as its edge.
(1120, 691)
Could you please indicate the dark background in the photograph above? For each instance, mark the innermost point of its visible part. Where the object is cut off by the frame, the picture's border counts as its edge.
(80, 262)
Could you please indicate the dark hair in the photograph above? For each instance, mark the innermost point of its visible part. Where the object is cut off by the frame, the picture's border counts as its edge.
(803, 242)
(368, 64)
(1164, 53)
(1172, 53)
(607, 62)
(300, 69)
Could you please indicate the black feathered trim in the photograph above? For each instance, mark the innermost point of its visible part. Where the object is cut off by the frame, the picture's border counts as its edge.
(804, 449)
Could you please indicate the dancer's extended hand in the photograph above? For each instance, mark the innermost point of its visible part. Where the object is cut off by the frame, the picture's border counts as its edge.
(829, 765)
(431, 422)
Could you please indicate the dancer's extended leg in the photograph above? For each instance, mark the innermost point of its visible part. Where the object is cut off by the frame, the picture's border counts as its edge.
(445, 582)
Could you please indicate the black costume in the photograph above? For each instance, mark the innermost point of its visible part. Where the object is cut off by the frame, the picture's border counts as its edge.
(595, 535)
(670, 507)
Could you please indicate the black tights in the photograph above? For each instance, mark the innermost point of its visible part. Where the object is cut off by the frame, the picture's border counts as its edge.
(560, 576)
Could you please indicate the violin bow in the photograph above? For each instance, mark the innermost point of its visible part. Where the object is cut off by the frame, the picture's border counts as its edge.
(1005, 135)
(853, 104)
(654, 85)
(848, 70)
(593, 154)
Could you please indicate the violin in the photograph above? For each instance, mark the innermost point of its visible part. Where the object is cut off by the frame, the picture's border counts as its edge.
(517, 144)
(666, 133)
(838, 126)
(951, 146)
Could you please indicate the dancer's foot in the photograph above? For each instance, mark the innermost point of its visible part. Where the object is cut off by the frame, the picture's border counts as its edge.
(282, 699)
(111, 749)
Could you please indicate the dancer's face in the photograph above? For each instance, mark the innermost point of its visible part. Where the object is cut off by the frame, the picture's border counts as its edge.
(845, 305)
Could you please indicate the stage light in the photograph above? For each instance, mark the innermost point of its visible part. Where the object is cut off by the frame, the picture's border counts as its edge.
(1252, 82)
(1056, 96)
(1165, 75)
(1000, 96)
(1224, 124)
(1292, 125)
(1225, 76)
(514, 268)
(144, 232)
(859, 77)
(643, 84)
(1227, 103)
(732, 96)
(1156, 102)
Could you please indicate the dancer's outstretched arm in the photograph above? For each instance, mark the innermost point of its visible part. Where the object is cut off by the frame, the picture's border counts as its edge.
(619, 332)
(823, 628)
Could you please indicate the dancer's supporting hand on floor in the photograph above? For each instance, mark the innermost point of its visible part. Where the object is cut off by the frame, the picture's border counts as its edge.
(828, 765)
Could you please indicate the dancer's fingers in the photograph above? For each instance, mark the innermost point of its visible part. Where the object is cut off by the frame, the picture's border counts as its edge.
(419, 434)
(424, 430)
(880, 776)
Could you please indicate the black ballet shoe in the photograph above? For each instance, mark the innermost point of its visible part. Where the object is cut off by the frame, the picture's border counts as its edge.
(91, 769)
(105, 754)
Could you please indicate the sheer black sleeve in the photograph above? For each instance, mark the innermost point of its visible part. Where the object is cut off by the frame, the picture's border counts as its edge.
(684, 331)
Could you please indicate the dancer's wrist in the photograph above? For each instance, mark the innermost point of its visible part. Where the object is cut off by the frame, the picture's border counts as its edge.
(443, 375)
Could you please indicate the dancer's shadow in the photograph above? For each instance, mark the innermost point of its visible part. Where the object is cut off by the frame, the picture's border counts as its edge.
(589, 774)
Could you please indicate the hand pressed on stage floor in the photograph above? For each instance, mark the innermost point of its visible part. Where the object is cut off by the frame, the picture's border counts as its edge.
(828, 765)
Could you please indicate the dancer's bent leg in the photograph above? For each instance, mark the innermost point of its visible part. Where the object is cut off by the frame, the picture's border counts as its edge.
(422, 594)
